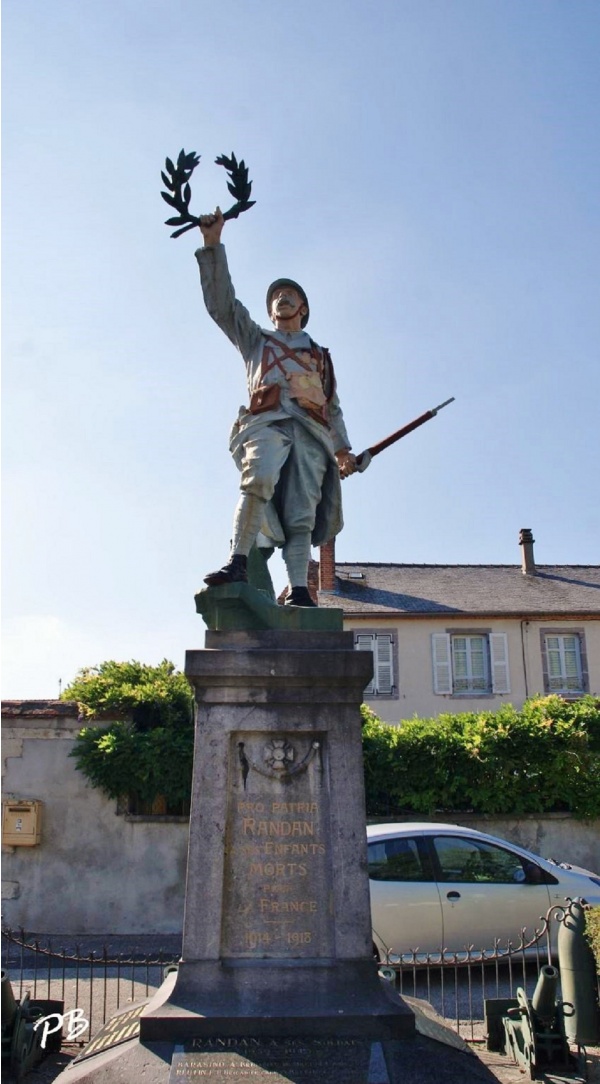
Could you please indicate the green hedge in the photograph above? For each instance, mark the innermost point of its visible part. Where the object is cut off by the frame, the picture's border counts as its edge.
(544, 758)
(592, 932)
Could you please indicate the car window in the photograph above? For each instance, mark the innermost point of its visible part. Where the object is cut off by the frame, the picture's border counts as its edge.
(472, 861)
(397, 859)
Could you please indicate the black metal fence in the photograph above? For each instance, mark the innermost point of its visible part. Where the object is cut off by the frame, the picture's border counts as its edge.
(457, 984)
(100, 983)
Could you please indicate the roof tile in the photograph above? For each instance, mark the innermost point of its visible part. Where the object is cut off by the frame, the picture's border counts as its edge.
(464, 589)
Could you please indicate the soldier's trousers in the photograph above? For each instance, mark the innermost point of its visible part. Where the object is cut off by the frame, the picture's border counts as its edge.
(281, 461)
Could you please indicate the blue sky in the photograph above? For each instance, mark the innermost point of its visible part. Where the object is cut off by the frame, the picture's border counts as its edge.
(428, 169)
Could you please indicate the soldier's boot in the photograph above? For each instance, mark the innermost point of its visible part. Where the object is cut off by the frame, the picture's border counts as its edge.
(235, 571)
(299, 596)
(296, 553)
(246, 525)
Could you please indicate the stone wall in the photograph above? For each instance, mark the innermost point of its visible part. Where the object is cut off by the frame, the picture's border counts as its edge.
(97, 871)
(94, 871)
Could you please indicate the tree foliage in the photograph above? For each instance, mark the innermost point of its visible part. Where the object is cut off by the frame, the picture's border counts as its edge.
(148, 695)
(146, 750)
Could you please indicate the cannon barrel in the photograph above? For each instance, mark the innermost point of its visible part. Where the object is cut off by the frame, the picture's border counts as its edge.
(543, 1001)
(9, 1004)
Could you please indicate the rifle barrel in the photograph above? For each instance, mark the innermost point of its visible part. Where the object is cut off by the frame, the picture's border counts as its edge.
(406, 429)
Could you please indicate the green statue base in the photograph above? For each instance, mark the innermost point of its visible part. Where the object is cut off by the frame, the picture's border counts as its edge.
(239, 606)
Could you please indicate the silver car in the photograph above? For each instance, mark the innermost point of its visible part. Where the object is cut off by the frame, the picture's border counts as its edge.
(441, 887)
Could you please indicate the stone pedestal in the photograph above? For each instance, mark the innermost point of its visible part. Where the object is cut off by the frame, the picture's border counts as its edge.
(277, 932)
(277, 980)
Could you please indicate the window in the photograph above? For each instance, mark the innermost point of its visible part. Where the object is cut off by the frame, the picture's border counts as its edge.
(564, 662)
(470, 663)
(385, 662)
(466, 861)
(132, 806)
(398, 860)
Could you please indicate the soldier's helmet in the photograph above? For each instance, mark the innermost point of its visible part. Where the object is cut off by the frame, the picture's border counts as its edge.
(288, 282)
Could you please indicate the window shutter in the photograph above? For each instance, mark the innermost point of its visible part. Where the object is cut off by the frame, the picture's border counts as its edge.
(442, 667)
(384, 671)
(499, 657)
(363, 641)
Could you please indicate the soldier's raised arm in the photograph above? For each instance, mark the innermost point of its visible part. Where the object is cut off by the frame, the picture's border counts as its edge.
(218, 291)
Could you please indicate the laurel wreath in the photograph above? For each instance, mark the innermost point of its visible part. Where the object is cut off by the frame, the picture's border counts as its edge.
(177, 180)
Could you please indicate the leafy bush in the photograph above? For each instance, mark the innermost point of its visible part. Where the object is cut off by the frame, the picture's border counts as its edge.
(541, 759)
(148, 695)
(146, 752)
(592, 932)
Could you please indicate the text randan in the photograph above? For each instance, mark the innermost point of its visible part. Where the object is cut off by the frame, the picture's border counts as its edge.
(252, 827)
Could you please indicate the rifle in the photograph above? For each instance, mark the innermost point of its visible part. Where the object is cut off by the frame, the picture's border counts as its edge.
(365, 457)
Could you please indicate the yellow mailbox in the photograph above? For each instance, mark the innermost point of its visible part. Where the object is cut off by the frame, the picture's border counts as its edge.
(21, 822)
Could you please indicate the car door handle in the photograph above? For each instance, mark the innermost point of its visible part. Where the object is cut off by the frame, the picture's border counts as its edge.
(453, 895)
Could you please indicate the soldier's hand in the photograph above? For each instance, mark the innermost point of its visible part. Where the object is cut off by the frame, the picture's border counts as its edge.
(211, 227)
(346, 462)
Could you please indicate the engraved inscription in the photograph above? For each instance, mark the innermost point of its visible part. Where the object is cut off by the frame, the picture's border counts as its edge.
(277, 891)
(273, 1061)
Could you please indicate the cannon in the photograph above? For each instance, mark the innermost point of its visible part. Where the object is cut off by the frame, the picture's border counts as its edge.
(539, 1033)
(532, 1031)
(21, 1041)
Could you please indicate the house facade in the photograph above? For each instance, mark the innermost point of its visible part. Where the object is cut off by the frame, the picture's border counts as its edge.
(452, 638)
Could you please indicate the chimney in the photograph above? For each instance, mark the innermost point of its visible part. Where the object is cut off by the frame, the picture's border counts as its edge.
(526, 540)
(327, 566)
(313, 580)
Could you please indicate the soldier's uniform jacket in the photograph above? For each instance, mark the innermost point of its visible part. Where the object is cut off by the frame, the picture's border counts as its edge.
(289, 376)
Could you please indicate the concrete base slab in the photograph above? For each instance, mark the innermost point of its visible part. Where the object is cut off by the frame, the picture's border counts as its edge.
(200, 1002)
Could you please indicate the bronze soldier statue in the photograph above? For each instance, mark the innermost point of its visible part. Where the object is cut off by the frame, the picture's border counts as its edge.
(290, 443)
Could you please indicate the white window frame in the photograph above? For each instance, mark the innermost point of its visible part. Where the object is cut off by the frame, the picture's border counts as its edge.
(563, 683)
(470, 664)
(496, 668)
(384, 645)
